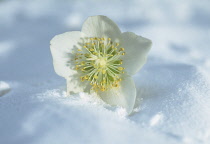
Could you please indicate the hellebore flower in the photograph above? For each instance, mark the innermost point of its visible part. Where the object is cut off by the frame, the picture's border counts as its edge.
(100, 60)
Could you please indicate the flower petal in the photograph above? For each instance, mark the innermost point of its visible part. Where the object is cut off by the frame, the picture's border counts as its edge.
(124, 95)
(74, 85)
(61, 47)
(101, 26)
(136, 50)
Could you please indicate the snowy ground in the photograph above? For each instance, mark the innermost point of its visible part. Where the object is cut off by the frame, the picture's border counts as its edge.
(173, 88)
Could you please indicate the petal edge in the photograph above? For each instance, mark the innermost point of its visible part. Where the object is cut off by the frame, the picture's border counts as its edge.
(123, 96)
(136, 49)
(101, 26)
(61, 46)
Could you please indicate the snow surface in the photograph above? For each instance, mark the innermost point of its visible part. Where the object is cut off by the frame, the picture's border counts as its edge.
(173, 88)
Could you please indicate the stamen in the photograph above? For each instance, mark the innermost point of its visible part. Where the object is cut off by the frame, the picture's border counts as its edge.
(99, 63)
(122, 49)
(120, 68)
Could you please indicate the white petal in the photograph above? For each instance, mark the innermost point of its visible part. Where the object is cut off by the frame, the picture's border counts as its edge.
(74, 85)
(136, 50)
(124, 95)
(101, 26)
(61, 47)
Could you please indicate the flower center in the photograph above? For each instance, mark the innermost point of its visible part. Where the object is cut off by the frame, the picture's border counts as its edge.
(102, 62)
(98, 62)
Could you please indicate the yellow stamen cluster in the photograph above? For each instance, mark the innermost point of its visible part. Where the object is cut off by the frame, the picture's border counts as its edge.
(99, 62)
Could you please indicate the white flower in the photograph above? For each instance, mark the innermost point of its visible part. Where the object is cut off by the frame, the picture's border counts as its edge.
(101, 60)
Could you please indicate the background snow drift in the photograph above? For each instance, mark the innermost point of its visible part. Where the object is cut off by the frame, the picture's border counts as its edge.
(173, 88)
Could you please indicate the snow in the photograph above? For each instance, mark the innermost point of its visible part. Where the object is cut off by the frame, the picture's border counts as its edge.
(173, 88)
(4, 88)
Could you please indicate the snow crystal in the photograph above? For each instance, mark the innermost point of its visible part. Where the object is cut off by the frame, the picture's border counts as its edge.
(4, 88)
(156, 119)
